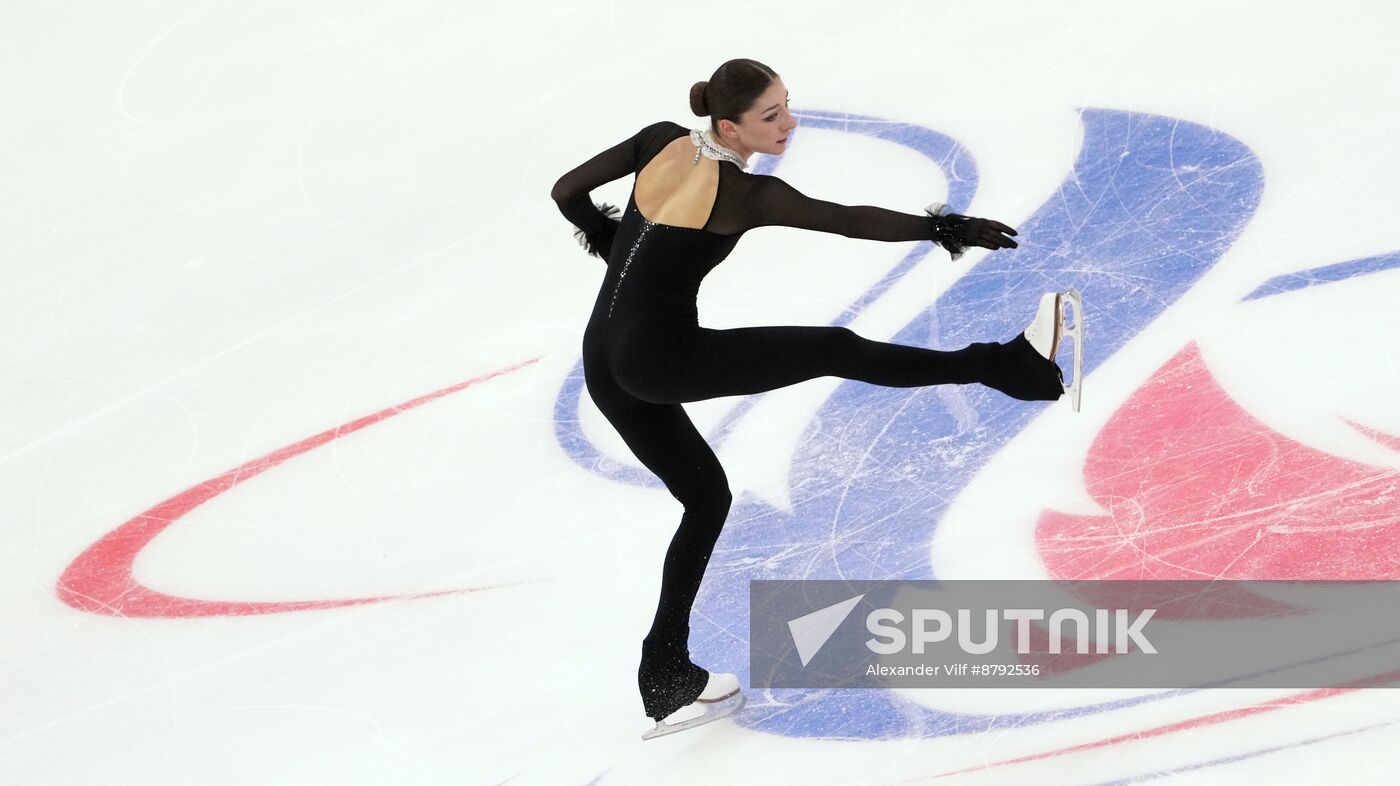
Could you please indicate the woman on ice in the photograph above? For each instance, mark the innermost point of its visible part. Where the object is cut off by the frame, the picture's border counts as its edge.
(644, 353)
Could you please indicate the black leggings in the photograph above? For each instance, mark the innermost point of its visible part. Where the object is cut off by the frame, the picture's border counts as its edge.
(645, 408)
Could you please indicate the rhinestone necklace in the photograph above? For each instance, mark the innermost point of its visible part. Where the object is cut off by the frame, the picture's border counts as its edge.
(711, 149)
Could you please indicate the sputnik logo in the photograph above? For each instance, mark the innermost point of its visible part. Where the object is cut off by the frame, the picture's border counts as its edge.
(811, 632)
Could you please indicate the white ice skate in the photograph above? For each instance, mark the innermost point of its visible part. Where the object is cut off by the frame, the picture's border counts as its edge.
(1052, 324)
(720, 697)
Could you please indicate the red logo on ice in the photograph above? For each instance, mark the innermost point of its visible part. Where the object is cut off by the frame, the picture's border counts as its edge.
(1197, 488)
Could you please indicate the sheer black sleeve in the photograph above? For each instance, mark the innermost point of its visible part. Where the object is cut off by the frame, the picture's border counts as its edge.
(596, 224)
(772, 202)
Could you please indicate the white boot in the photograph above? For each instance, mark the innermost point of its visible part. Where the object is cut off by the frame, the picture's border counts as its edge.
(1044, 330)
(720, 687)
(1051, 324)
(720, 697)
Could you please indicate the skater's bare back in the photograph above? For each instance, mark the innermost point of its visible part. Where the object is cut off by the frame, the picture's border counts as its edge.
(675, 189)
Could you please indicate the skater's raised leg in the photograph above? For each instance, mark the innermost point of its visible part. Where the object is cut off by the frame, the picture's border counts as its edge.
(744, 361)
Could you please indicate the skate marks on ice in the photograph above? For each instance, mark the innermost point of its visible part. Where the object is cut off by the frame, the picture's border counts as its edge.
(1152, 203)
(1197, 488)
(102, 579)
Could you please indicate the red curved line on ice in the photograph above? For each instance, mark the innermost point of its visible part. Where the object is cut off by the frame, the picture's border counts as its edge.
(101, 580)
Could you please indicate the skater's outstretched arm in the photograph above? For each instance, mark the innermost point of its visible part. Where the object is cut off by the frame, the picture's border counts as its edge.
(772, 202)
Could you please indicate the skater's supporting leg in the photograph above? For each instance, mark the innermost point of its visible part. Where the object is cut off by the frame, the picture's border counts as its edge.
(667, 443)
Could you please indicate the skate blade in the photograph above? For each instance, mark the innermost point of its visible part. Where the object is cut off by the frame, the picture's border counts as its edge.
(1075, 331)
(713, 710)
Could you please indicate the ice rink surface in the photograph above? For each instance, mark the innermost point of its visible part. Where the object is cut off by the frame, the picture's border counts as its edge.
(301, 484)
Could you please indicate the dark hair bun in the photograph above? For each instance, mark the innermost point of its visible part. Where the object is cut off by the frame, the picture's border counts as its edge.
(697, 99)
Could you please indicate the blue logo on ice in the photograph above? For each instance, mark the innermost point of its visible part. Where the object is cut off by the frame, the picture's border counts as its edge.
(810, 632)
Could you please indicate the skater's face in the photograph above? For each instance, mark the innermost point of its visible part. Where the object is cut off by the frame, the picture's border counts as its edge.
(765, 128)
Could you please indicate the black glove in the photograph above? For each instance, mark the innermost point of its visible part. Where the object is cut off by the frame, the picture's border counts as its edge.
(956, 232)
(599, 242)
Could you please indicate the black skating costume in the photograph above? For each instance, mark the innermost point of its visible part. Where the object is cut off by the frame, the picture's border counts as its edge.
(644, 354)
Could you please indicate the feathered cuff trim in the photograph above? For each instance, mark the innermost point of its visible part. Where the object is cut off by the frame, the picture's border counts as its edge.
(947, 228)
(599, 243)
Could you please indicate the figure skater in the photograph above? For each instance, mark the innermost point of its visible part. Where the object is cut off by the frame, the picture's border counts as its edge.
(644, 353)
